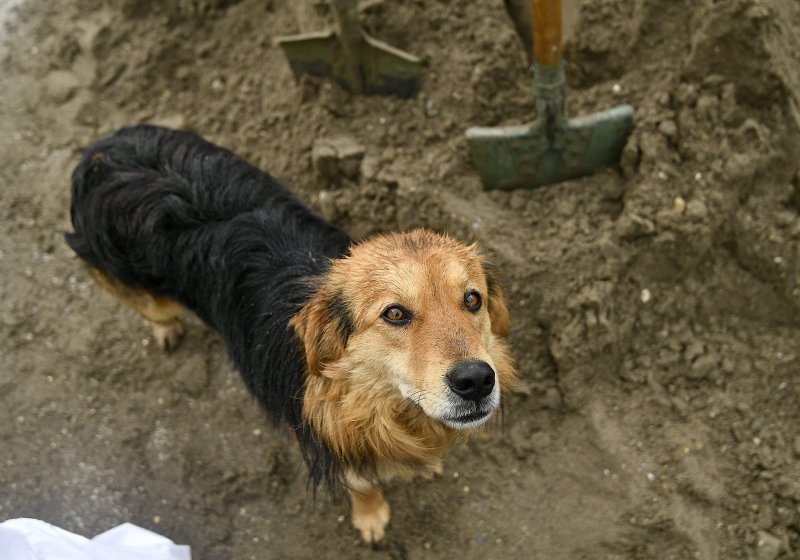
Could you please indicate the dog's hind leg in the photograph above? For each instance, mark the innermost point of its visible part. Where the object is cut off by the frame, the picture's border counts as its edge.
(371, 511)
(164, 314)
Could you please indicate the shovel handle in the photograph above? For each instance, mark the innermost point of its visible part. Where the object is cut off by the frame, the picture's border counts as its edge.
(547, 45)
(346, 12)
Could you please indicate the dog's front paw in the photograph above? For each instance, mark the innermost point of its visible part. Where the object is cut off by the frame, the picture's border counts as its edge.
(168, 335)
(372, 523)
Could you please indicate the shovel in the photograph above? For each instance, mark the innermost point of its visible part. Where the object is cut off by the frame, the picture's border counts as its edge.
(552, 148)
(352, 58)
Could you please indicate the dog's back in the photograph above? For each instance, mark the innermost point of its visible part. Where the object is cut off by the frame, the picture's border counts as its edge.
(168, 212)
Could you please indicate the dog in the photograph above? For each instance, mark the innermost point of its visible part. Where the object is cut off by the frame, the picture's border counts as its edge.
(377, 354)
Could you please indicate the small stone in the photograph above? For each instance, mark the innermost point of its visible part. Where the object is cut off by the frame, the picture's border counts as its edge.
(707, 104)
(553, 399)
(334, 158)
(323, 157)
(60, 86)
(697, 209)
(645, 296)
(768, 546)
(430, 108)
(205, 48)
(788, 487)
(693, 350)
(728, 366)
(702, 367)
(631, 226)
(679, 204)
(668, 128)
(370, 167)
(686, 94)
(616, 88)
(327, 206)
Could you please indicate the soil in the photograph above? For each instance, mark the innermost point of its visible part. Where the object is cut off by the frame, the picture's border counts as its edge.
(655, 305)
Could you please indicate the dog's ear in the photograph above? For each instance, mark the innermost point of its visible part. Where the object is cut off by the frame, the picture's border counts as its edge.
(323, 326)
(498, 311)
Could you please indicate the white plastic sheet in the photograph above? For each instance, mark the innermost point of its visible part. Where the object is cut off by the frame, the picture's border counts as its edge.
(31, 539)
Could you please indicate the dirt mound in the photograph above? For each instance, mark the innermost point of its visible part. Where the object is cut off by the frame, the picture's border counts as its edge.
(655, 307)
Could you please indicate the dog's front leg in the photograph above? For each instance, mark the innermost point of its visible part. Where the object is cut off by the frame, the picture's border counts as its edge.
(370, 510)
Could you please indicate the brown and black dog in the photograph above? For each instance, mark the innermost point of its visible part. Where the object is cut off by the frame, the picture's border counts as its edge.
(377, 354)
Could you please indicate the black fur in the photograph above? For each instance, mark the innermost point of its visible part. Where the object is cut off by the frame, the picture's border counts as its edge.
(167, 211)
(340, 312)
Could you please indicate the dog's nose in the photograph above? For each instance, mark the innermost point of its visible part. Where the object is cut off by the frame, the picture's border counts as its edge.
(471, 380)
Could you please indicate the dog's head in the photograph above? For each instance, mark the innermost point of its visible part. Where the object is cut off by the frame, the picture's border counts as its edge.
(418, 315)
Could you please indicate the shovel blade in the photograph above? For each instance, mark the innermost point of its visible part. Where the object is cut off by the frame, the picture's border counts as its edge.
(310, 53)
(542, 153)
(370, 66)
(389, 71)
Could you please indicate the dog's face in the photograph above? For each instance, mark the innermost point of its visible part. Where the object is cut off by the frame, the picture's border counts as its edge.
(417, 314)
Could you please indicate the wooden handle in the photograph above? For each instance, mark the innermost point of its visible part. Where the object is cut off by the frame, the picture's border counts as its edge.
(547, 47)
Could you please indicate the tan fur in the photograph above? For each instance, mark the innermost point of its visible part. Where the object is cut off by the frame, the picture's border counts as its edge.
(353, 397)
(164, 314)
(498, 311)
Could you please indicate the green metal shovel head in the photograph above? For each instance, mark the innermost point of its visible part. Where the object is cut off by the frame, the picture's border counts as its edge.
(352, 58)
(552, 148)
(369, 66)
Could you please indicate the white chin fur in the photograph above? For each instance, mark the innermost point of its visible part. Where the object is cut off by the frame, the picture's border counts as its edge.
(465, 425)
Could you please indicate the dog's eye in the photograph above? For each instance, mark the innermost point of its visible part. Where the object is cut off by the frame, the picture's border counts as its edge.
(472, 300)
(396, 315)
